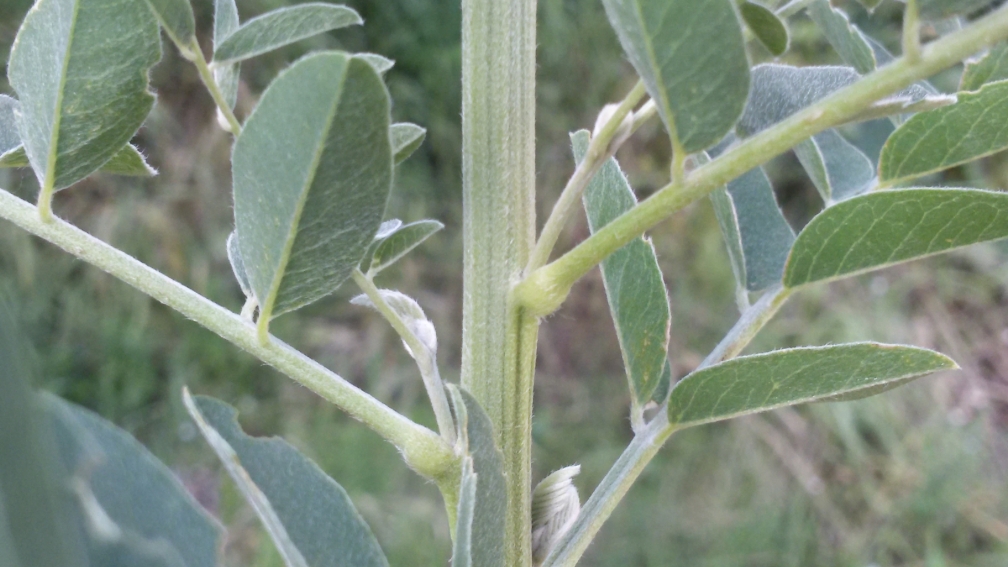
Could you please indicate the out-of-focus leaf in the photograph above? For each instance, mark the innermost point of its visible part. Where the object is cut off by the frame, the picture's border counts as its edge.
(691, 56)
(974, 127)
(309, 516)
(766, 26)
(237, 266)
(778, 91)
(36, 507)
(380, 63)
(14, 158)
(880, 229)
(992, 67)
(846, 39)
(837, 168)
(154, 517)
(941, 9)
(870, 4)
(756, 233)
(387, 249)
(226, 23)
(281, 27)
(9, 137)
(312, 173)
(406, 138)
(475, 432)
(176, 16)
(83, 95)
(762, 382)
(633, 281)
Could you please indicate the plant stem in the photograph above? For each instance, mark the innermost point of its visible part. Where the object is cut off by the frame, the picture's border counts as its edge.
(600, 149)
(423, 450)
(911, 31)
(648, 441)
(211, 84)
(544, 290)
(498, 202)
(423, 356)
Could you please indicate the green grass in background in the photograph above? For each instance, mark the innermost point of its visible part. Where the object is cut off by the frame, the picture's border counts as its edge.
(918, 477)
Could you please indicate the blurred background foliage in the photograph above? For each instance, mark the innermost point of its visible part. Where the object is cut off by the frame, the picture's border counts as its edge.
(917, 477)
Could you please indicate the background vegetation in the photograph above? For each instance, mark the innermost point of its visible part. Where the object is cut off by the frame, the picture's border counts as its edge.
(916, 477)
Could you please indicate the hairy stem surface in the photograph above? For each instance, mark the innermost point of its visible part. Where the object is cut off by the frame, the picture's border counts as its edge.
(423, 449)
(498, 201)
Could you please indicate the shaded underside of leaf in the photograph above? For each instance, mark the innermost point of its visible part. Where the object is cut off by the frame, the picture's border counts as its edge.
(400, 242)
(237, 266)
(134, 489)
(691, 57)
(462, 546)
(128, 161)
(312, 173)
(226, 23)
(884, 228)
(766, 26)
(80, 70)
(761, 382)
(9, 138)
(477, 434)
(633, 281)
(973, 127)
(848, 41)
(758, 236)
(838, 169)
(281, 27)
(406, 138)
(314, 511)
(990, 68)
(380, 63)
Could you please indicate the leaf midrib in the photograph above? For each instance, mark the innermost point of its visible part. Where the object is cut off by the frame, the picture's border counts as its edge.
(267, 309)
(49, 183)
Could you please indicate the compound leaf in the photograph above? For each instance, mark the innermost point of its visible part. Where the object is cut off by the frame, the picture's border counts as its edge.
(406, 138)
(838, 169)
(633, 281)
(476, 432)
(312, 174)
(307, 514)
(762, 382)
(691, 57)
(757, 235)
(766, 26)
(387, 249)
(974, 127)
(176, 16)
(992, 67)
(884, 228)
(848, 41)
(226, 22)
(83, 93)
(281, 27)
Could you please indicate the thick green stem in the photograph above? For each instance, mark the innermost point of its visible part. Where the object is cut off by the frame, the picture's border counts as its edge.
(424, 450)
(545, 289)
(600, 149)
(498, 200)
